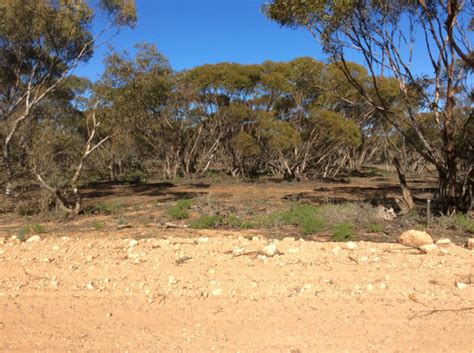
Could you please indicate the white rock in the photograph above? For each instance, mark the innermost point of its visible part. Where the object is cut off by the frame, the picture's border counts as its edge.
(293, 251)
(89, 286)
(132, 243)
(238, 251)
(415, 238)
(33, 239)
(65, 238)
(172, 280)
(270, 250)
(461, 285)
(428, 249)
(387, 214)
(216, 292)
(336, 250)
(370, 287)
(470, 244)
(203, 240)
(350, 245)
(443, 242)
(53, 284)
(55, 248)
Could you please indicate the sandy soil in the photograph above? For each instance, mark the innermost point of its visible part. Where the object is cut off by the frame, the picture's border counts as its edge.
(203, 291)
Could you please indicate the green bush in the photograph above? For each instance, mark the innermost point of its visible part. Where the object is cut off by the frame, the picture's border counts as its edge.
(184, 203)
(375, 228)
(301, 215)
(342, 232)
(177, 213)
(38, 229)
(179, 210)
(98, 225)
(206, 222)
(464, 222)
(235, 222)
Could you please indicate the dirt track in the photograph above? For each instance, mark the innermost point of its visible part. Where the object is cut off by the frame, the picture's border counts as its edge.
(201, 291)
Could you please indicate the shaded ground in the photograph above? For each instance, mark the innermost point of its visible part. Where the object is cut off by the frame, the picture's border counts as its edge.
(203, 291)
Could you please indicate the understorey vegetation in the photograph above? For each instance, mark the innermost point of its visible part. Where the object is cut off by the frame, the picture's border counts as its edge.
(293, 120)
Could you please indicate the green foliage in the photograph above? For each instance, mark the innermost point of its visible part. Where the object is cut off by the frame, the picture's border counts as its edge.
(38, 228)
(177, 213)
(235, 222)
(184, 203)
(206, 222)
(460, 222)
(375, 228)
(301, 215)
(179, 210)
(342, 232)
(98, 225)
(105, 208)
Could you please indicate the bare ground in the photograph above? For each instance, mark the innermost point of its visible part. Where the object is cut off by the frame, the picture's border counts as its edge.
(200, 291)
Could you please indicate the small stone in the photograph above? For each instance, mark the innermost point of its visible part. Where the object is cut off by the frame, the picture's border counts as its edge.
(270, 250)
(293, 251)
(65, 238)
(217, 292)
(336, 250)
(54, 284)
(470, 244)
(108, 314)
(428, 249)
(33, 239)
(132, 243)
(55, 248)
(238, 251)
(89, 286)
(443, 242)
(461, 285)
(89, 258)
(370, 287)
(350, 245)
(203, 240)
(415, 238)
(172, 280)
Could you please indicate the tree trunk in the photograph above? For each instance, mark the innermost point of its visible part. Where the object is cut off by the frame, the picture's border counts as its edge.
(407, 198)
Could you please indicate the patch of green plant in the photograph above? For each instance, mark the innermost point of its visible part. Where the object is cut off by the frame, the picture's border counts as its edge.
(22, 233)
(206, 222)
(301, 215)
(98, 225)
(235, 222)
(464, 222)
(179, 210)
(184, 203)
(177, 213)
(38, 228)
(104, 208)
(342, 232)
(375, 228)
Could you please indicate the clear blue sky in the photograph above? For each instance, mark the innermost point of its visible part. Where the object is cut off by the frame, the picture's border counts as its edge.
(194, 32)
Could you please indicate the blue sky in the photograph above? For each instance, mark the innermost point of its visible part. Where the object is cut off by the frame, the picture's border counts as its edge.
(195, 32)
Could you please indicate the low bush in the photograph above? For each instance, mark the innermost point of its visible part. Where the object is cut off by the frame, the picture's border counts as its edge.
(342, 232)
(375, 228)
(206, 222)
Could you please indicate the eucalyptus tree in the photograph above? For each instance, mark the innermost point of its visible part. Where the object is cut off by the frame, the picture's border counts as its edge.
(384, 33)
(41, 42)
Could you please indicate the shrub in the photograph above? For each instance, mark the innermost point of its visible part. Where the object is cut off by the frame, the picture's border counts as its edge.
(184, 203)
(301, 215)
(342, 232)
(460, 222)
(375, 228)
(98, 225)
(38, 228)
(206, 222)
(179, 210)
(177, 213)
